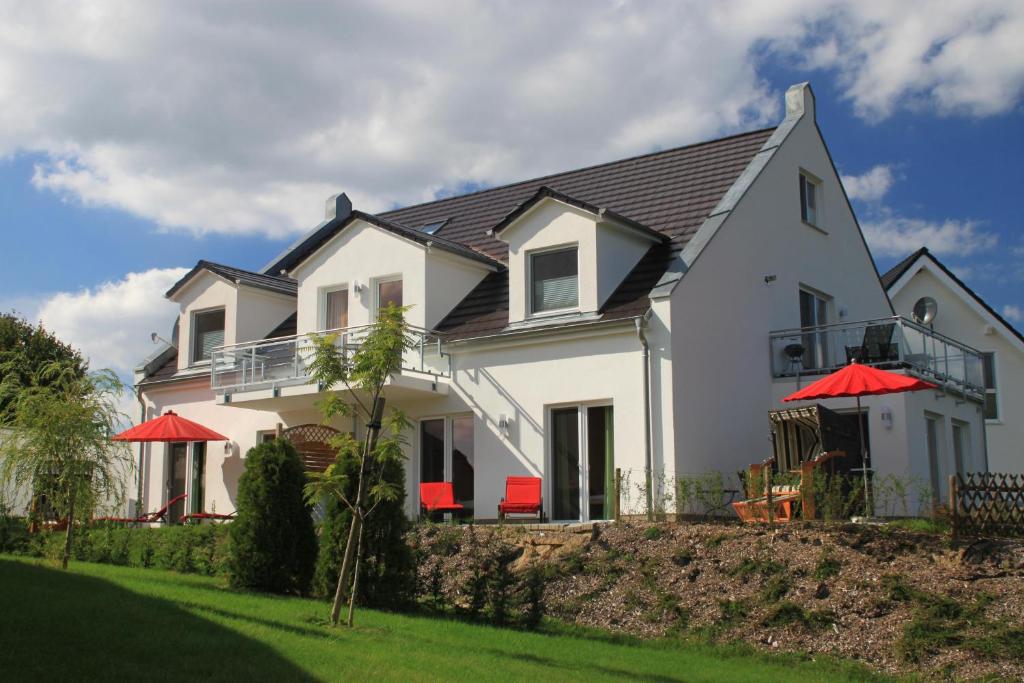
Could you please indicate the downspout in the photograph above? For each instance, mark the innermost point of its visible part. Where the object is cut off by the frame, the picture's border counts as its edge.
(142, 453)
(648, 456)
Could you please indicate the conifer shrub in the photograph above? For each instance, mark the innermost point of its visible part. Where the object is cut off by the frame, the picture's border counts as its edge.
(273, 543)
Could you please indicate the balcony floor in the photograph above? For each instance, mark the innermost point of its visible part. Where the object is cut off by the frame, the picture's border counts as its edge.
(299, 396)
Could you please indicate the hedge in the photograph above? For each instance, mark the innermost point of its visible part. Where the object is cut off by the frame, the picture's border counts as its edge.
(199, 549)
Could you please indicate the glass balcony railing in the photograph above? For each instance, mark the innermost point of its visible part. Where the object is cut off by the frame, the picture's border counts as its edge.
(892, 343)
(285, 361)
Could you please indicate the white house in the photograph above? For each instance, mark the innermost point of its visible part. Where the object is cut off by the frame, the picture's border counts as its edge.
(640, 314)
(954, 310)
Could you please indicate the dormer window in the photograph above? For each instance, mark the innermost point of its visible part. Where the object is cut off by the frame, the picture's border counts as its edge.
(554, 280)
(207, 334)
(810, 190)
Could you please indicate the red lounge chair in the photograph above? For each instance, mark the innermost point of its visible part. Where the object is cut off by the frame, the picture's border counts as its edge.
(200, 516)
(148, 518)
(522, 496)
(438, 496)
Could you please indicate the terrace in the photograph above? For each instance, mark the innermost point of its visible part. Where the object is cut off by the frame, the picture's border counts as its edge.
(891, 343)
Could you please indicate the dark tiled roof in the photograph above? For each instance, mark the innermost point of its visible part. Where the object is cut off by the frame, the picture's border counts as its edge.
(273, 283)
(896, 272)
(287, 328)
(425, 238)
(671, 192)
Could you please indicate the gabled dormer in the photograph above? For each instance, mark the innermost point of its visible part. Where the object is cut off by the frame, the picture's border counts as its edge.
(221, 305)
(567, 256)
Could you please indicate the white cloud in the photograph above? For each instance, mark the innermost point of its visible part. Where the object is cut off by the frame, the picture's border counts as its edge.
(898, 236)
(1013, 313)
(210, 119)
(870, 186)
(111, 323)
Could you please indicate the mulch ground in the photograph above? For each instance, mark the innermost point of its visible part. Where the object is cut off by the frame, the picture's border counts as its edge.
(898, 601)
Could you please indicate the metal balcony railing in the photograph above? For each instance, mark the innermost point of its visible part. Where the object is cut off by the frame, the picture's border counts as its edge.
(285, 361)
(891, 343)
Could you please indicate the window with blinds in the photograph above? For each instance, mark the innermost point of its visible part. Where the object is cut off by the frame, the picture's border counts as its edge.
(554, 280)
(208, 333)
(336, 313)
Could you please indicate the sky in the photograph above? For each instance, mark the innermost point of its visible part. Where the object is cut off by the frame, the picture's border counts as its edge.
(137, 138)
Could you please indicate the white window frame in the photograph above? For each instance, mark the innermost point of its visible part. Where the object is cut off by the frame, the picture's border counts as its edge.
(963, 444)
(261, 435)
(822, 339)
(447, 453)
(376, 283)
(815, 221)
(549, 456)
(529, 280)
(322, 306)
(995, 390)
(192, 329)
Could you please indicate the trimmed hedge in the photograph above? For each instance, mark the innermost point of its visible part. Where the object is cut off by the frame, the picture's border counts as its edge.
(188, 549)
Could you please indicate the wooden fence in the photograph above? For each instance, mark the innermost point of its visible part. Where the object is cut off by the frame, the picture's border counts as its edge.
(987, 504)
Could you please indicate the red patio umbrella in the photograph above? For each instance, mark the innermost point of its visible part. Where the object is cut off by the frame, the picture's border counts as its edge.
(859, 380)
(169, 427)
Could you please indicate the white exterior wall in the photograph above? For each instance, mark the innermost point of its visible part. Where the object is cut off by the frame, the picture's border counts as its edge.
(961, 321)
(448, 280)
(206, 291)
(259, 312)
(723, 310)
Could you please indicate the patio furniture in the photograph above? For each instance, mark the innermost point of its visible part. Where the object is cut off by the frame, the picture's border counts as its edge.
(438, 496)
(876, 347)
(200, 516)
(147, 518)
(782, 500)
(522, 497)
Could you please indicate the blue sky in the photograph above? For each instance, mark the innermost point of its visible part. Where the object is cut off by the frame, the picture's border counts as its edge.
(121, 160)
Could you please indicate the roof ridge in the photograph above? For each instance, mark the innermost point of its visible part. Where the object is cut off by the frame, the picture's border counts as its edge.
(603, 164)
(214, 264)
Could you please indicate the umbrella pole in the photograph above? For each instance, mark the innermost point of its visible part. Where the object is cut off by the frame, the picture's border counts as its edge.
(868, 512)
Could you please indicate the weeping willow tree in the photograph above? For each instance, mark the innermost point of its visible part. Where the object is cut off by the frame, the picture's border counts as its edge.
(58, 442)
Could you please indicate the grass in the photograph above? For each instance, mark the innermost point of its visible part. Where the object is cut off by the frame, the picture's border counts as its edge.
(99, 622)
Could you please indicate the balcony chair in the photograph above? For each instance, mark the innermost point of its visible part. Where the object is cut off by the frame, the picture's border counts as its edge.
(876, 347)
(438, 496)
(147, 518)
(200, 516)
(522, 497)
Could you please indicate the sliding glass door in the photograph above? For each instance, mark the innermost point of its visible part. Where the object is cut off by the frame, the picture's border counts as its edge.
(446, 454)
(582, 463)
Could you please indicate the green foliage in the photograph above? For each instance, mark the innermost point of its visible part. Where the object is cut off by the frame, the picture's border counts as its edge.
(387, 571)
(838, 497)
(756, 565)
(699, 493)
(653, 533)
(827, 566)
(25, 350)
(790, 613)
(776, 588)
(273, 544)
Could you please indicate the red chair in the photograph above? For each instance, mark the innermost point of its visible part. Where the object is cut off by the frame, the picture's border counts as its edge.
(200, 516)
(147, 518)
(438, 496)
(522, 496)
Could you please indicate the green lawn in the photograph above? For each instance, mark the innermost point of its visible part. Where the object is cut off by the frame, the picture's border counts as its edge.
(98, 622)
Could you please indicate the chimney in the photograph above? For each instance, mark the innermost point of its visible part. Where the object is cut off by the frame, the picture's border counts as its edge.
(799, 101)
(339, 206)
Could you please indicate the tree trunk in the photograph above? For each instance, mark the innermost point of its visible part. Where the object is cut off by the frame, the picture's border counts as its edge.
(355, 528)
(355, 578)
(71, 528)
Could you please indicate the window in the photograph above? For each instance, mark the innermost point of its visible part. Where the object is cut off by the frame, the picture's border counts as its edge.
(335, 309)
(582, 470)
(207, 333)
(266, 435)
(988, 365)
(809, 191)
(961, 447)
(446, 454)
(197, 496)
(389, 292)
(933, 440)
(554, 280)
(814, 313)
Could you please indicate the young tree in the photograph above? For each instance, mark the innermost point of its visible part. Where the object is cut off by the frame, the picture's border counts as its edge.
(58, 441)
(364, 374)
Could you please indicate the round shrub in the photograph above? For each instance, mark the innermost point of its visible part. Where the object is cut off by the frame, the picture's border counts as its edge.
(273, 545)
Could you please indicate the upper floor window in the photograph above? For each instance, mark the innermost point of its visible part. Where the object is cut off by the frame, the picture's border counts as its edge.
(988, 365)
(814, 313)
(335, 309)
(207, 333)
(810, 190)
(389, 292)
(554, 280)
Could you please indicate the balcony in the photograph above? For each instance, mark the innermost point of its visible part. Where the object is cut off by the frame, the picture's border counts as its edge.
(890, 343)
(284, 361)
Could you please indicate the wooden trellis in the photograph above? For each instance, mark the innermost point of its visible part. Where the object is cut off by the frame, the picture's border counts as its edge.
(987, 504)
(313, 442)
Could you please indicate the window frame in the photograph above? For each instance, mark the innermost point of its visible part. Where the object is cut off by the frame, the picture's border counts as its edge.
(532, 312)
(193, 336)
(325, 292)
(377, 282)
(447, 450)
(994, 389)
(822, 303)
(807, 178)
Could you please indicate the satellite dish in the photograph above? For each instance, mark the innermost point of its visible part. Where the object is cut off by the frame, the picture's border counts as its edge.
(925, 310)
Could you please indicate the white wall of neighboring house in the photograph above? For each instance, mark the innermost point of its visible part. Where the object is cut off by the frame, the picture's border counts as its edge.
(963, 319)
